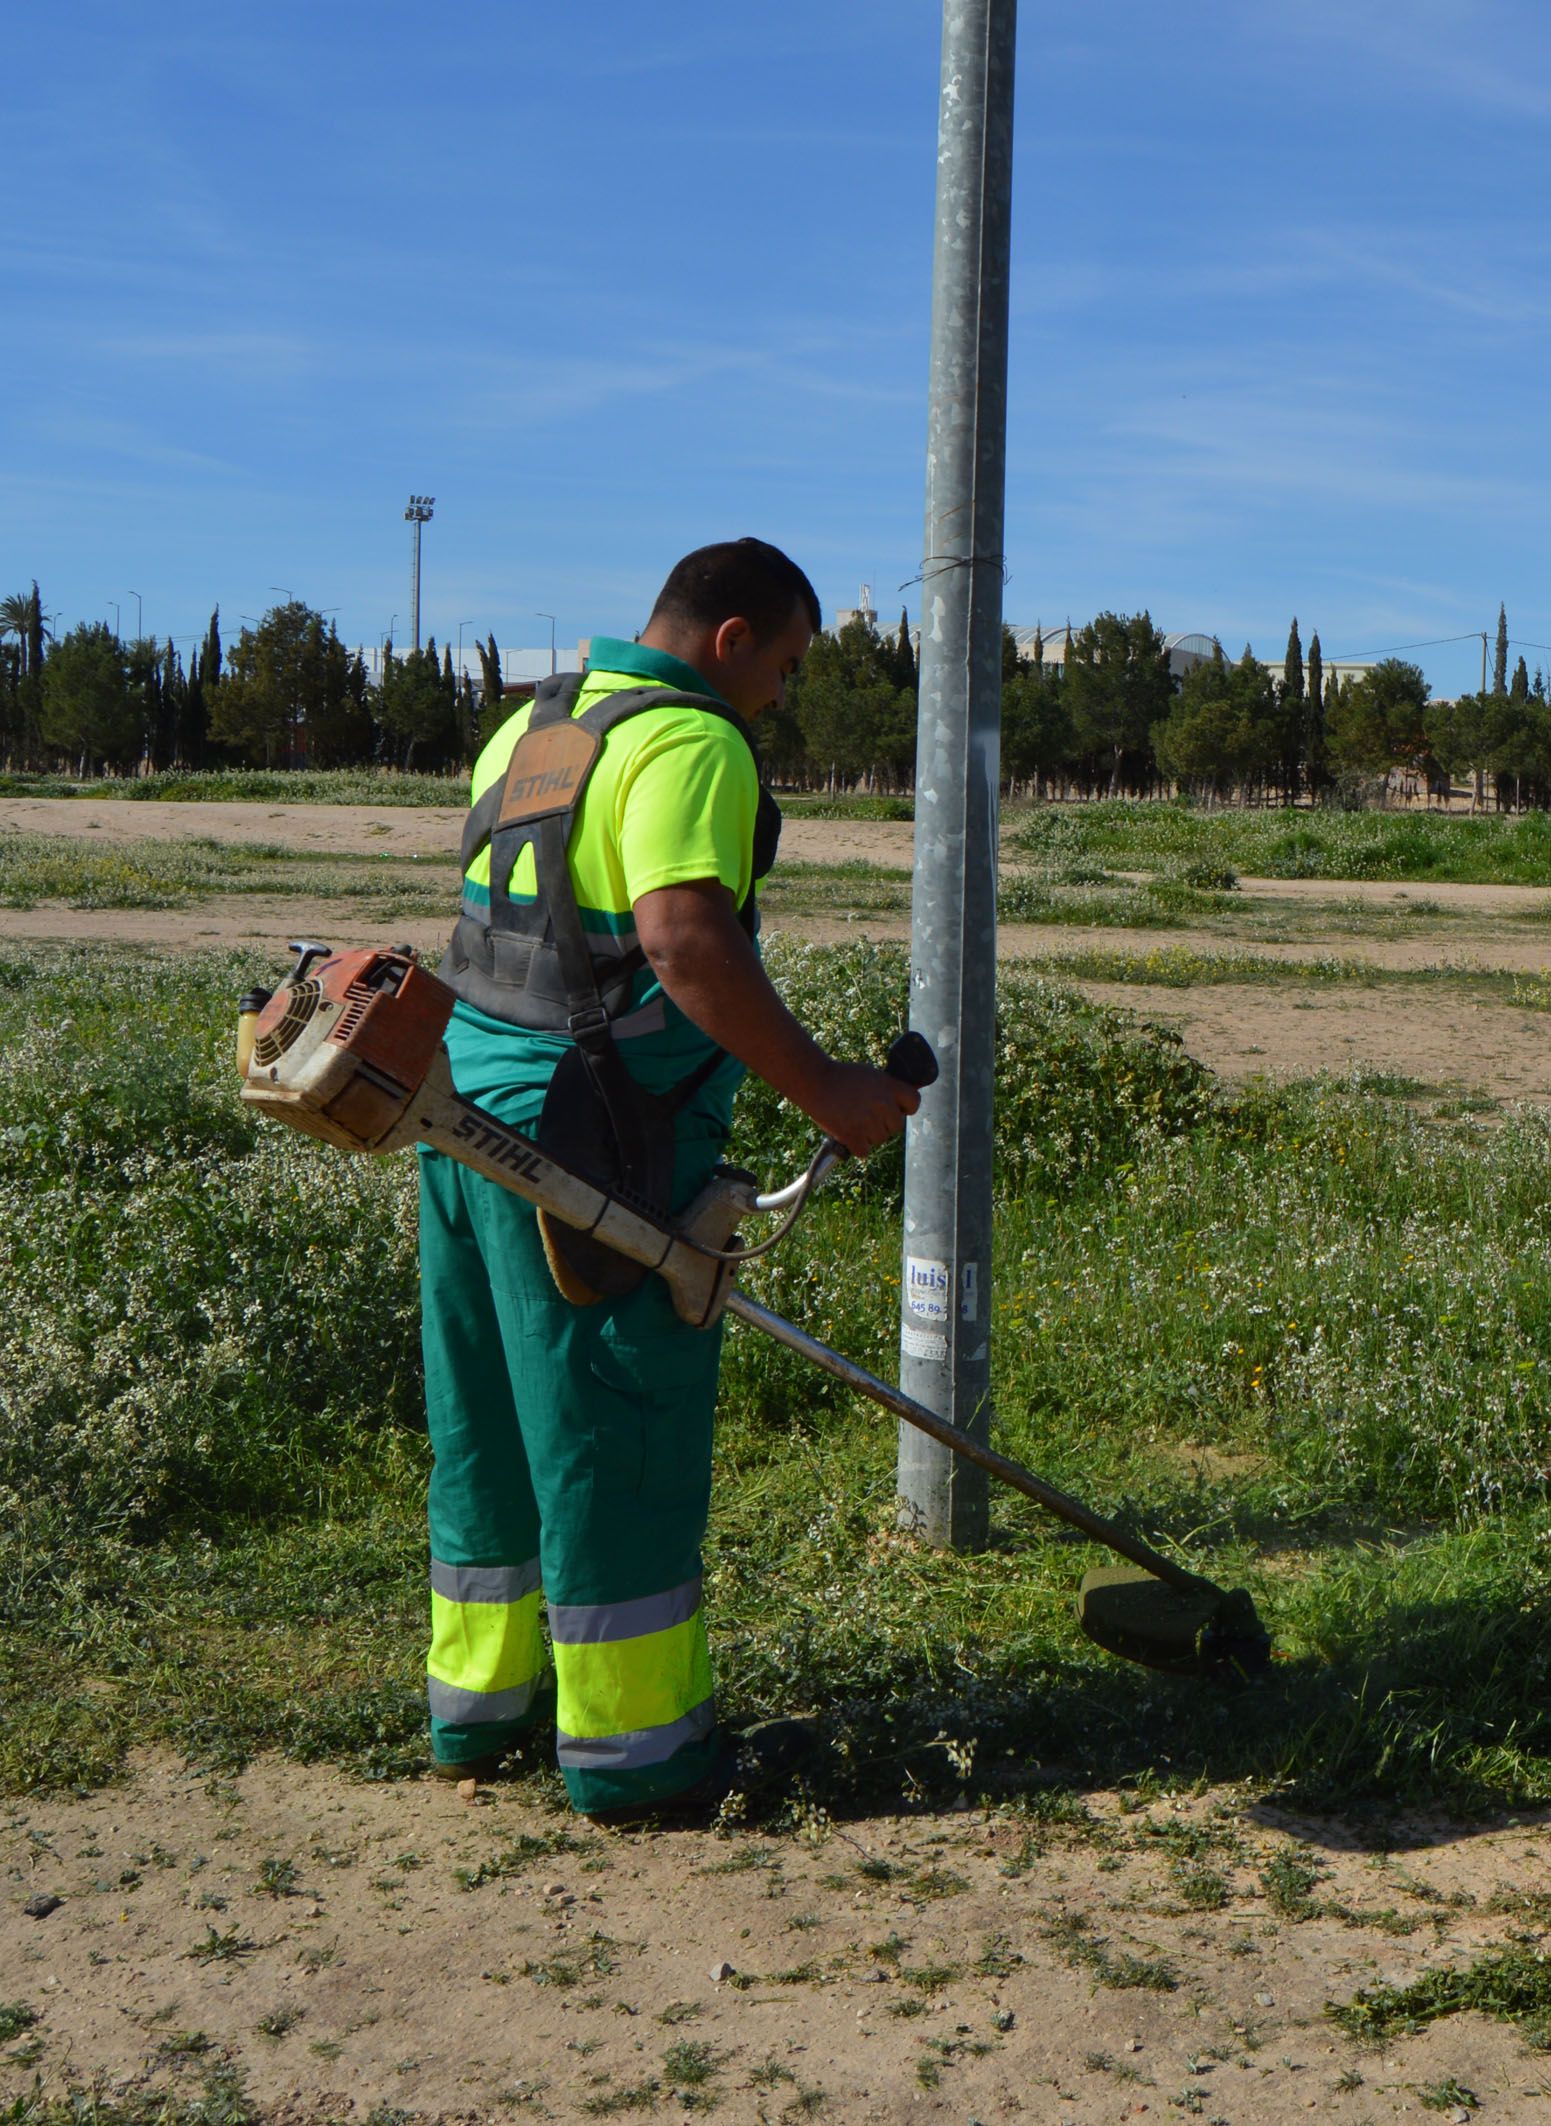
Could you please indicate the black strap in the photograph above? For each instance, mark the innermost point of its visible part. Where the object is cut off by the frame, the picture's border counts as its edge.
(556, 919)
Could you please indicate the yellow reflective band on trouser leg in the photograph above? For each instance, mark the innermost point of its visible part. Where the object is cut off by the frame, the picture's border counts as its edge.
(486, 1655)
(634, 1681)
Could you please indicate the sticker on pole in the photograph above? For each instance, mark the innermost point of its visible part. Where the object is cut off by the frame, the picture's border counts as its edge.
(926, 1288)
(969, 1291)
(921, 1343)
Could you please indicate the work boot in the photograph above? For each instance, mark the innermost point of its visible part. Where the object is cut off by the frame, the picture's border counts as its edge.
(484, 1769)
(750, 1762)
(494, 1763)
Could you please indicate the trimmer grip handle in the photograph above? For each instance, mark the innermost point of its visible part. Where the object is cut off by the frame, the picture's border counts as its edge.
(911, 1058)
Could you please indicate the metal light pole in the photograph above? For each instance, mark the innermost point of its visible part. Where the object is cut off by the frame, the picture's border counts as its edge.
(288, 596)
(551, 619)
(462, 624)
(945, 1288)
(418, 513)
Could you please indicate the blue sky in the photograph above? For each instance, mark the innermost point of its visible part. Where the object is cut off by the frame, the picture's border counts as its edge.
(610, 280)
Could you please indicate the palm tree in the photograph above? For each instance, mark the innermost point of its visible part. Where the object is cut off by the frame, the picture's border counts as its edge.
(21, 615)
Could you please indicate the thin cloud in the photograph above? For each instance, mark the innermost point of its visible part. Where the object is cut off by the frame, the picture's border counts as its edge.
(1440, 43)
(128, 440)
(237, 353)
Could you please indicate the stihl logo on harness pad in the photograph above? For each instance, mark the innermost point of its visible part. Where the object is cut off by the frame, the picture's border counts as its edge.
(546, 772)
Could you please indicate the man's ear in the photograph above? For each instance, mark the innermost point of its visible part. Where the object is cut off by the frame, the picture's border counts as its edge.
(732, 638)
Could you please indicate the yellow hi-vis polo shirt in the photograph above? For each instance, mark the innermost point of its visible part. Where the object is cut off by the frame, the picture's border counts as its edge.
(671, 799)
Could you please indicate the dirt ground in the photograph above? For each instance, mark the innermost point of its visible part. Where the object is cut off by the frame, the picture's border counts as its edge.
(320, 1938)
(396, 1953)
(1240, 1030)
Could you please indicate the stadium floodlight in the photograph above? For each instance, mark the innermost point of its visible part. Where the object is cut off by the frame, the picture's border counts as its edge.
(417, 513)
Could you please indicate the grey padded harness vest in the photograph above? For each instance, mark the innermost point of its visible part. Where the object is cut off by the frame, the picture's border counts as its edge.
(532, 963)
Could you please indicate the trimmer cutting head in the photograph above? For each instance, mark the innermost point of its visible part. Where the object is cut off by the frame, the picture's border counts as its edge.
(1207, 1632)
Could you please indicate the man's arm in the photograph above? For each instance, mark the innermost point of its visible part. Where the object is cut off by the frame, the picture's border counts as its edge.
(701, 954)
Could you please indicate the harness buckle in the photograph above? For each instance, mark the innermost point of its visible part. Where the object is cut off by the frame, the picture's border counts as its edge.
(588, 1023)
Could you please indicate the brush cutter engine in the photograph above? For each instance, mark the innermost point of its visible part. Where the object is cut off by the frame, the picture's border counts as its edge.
(349, 1049)
(342, 1047)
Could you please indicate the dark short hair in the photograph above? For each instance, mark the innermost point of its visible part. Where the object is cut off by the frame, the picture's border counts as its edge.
(743, 579)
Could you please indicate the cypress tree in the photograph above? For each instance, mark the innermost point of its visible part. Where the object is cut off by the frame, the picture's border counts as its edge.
(902, 665)
(1500, 664)
(1292, 674)
(35, 630)
(1519, 691)
(210, 655)
(1314, 767)
(490, 672)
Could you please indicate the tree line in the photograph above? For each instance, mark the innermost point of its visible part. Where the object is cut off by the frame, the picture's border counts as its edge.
(1110, 718)
(285, 694)
(1107, 718)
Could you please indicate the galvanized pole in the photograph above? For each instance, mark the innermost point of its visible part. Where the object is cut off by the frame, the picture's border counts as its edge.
(945, 1333)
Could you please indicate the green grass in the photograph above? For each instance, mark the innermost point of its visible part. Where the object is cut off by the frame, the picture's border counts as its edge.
(1277, 843)
(1072, 1937)
(1297, 1334)
(1188, 967)
(272, 786)
(36, 868)
(1512, 1984)
(845, 807)
(849, 889)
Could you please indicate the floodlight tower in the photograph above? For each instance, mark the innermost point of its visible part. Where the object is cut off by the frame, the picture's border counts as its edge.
(418, 513)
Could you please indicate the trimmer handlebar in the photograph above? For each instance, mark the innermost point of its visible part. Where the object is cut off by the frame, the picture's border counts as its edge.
(911, 1058)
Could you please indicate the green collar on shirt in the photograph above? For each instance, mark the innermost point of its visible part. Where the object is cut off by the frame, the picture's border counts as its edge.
(608, 654)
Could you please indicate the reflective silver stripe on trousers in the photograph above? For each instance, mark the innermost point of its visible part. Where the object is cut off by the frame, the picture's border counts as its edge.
(485, 1583)
(469, 1708)
(645, 1745)
(596, 1624)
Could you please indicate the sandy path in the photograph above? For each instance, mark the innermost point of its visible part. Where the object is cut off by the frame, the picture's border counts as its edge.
(926, 1987)
(1240, 1030)
(392, 829)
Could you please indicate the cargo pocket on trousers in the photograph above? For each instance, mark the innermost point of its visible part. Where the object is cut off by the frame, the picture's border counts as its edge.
(655, 1421)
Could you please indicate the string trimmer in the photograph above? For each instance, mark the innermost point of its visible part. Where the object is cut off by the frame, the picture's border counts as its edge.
(349, 1049)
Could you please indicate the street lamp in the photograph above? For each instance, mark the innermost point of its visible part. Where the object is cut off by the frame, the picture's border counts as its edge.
(551, 619)
(418, 513)
(288, 596)
(462, 624)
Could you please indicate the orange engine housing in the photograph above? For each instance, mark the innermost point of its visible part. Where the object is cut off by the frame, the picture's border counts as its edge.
(342, 1052)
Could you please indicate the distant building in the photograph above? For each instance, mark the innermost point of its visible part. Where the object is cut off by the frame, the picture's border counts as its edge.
(1345, 669)
(518, 667)
(863, 610)
(1184, 652)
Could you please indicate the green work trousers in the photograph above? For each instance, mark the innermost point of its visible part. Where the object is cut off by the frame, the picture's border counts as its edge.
(572, 1469)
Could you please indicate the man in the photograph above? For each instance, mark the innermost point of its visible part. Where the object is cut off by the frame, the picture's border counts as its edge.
(609, 983)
